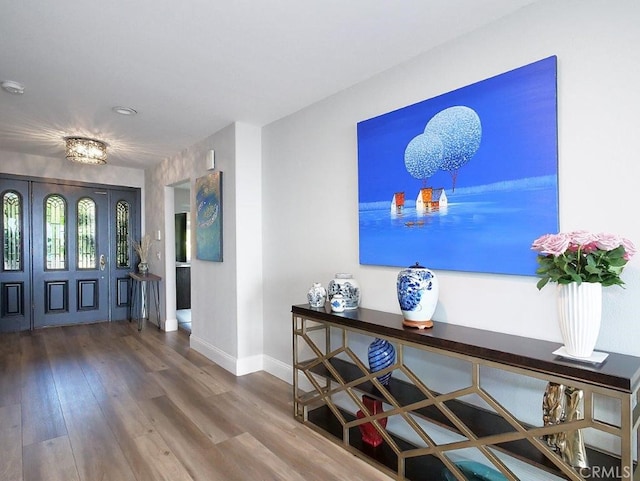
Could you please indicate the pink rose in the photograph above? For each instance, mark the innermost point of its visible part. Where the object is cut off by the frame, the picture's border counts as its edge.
(584, 240)
(582, 237)
(608, 242)
(554, 244)
(629, 249)
(540, 242)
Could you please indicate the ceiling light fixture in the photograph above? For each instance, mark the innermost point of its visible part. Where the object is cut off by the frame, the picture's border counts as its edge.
(12, 87)
(124, 110)
(86, 151)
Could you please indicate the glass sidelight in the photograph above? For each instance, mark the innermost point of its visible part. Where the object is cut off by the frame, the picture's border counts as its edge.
(123, 226)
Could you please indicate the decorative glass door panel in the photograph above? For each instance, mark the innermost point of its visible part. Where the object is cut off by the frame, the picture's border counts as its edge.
(15, 264)
(86, 230)
(55, 217)
(123, 226)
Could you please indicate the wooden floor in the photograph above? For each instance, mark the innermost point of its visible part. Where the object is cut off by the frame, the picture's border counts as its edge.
(105, 402)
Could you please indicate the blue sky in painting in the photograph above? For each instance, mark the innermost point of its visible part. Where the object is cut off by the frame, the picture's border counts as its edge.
(517, 110)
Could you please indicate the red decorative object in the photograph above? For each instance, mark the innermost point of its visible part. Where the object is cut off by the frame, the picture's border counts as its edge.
(370, 434)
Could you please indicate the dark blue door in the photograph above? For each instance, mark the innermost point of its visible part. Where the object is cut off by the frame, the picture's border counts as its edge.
(70, 236)
(66, 252)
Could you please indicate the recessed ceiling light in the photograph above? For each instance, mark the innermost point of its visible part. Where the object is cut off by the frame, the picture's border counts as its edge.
(12, 87)
(124, 110)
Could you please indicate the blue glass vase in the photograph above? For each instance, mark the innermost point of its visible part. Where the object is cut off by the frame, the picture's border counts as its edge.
(381, 355)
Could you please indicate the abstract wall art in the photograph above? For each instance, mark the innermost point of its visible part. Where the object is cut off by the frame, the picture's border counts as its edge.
(464, 181)
(209, 217)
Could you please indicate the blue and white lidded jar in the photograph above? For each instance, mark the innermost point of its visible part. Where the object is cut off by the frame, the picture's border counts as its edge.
(418, 296)
(347, 287)
(317, 295)
(337, 303)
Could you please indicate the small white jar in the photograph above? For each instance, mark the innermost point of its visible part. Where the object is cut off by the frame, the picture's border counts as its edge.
(337, 303)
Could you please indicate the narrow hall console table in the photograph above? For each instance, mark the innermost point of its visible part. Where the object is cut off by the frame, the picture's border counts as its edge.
(331, 381)
(140, 288)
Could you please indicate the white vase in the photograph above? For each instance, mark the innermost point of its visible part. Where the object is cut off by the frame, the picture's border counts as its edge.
(317, 295)
(579, 314)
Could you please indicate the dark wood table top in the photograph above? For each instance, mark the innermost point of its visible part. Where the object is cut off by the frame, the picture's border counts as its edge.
(618, 371)
(146, 277)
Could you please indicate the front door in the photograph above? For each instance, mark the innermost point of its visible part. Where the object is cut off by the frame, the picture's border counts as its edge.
(74, 257)
(70, 247)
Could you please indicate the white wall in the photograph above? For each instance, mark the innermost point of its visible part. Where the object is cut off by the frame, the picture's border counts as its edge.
(310, 172)
(226, 297)
(55, 168)
(248, 200)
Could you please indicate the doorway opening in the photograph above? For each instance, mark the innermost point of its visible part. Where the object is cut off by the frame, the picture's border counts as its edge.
(182, 229)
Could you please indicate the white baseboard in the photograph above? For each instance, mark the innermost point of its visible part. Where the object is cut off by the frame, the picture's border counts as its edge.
(247, 365)
(210, 351)
(279, 369)
(240, 367)
(170, 325)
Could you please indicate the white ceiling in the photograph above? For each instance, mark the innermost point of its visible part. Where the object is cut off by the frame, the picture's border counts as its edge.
(191, 68)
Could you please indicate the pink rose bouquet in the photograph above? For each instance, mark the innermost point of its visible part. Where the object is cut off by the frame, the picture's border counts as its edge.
(581, 256)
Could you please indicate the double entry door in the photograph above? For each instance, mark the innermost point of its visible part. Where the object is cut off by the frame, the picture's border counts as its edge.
(66, 253)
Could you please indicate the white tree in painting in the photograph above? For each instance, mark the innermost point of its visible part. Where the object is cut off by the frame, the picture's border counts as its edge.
(423, 155)
(460, 131)
(450, 139)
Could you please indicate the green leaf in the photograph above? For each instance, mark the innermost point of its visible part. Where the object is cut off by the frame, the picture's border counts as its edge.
(542, 282)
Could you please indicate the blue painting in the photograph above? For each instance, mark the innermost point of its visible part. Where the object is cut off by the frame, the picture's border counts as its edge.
(464, 181)
(209, 217)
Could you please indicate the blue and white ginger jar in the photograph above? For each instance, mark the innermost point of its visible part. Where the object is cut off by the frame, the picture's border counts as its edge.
(347, 287)
(317, 295)
(417, 295)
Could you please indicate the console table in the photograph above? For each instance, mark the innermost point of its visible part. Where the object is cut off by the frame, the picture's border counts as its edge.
(329, 380)
(141, 285)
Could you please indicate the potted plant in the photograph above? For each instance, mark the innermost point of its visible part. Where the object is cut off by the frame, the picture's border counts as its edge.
(142, 248)
(581, 256)
(581, 263)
